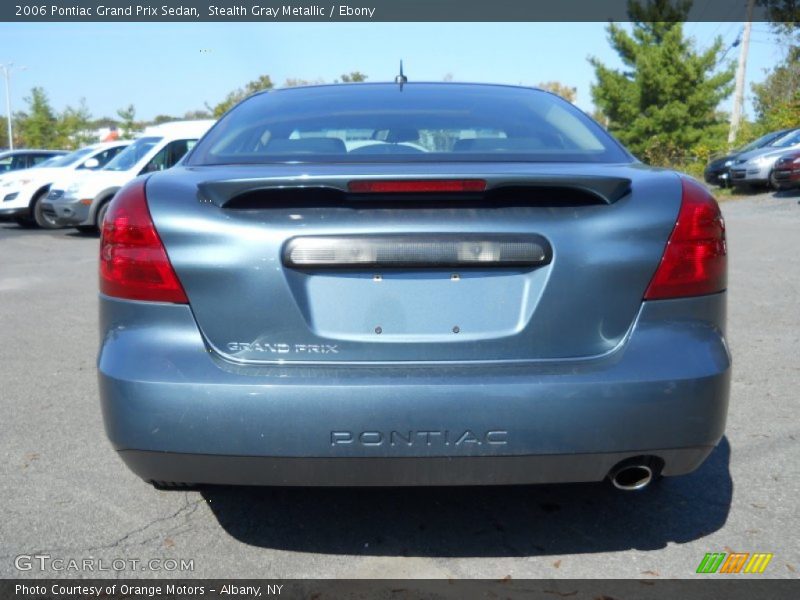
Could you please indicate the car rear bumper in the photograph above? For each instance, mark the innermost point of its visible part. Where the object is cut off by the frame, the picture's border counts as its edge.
(68, 212)
(174, 467)
(176, 413)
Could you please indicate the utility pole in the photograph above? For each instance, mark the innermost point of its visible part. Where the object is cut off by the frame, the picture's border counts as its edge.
(738, 95)
(6, 68)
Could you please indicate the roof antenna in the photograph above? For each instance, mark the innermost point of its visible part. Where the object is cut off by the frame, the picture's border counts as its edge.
(401, 79)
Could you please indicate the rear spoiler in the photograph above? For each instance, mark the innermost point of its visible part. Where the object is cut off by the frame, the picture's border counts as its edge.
(497, 191)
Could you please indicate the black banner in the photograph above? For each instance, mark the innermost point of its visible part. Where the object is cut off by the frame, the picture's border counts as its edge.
(717, 587)
(363, 10)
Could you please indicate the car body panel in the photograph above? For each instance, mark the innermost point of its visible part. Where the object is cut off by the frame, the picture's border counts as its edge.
(500, 313)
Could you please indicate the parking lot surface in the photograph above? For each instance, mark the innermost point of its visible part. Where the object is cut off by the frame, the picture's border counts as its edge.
(66, 494)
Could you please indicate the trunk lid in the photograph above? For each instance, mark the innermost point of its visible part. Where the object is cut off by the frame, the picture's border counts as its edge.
(283, 264)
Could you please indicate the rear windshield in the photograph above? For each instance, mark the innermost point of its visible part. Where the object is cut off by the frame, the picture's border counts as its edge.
(128, 158)
(418, 123)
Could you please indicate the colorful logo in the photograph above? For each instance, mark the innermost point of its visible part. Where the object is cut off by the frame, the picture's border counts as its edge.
(735, 562)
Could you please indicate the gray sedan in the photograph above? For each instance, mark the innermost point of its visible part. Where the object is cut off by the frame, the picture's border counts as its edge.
(412, 284)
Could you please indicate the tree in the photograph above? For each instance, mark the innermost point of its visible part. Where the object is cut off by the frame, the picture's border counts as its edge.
(236, 96)
(784, 16)
(663, 105)
(75, 126)
(566, 92)
(297, 82)
(777, 99)
(3, 132)
(353, 77)
(192, 115)
(128, 116)
(38, 126)
(159, 119)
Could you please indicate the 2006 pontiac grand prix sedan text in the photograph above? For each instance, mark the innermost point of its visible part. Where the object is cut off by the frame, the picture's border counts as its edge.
(419, 284)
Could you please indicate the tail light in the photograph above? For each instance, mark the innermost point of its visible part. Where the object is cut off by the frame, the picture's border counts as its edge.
(695, 260)
(133, 262)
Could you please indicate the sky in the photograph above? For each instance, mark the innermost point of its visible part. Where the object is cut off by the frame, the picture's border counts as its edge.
(171, 68)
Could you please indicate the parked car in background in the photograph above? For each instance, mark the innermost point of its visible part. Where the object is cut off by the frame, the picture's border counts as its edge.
(717, 171)
(14, 160)
(21, 193)
(493, 291)
(787, 171)
(755, 167)
(81, 200)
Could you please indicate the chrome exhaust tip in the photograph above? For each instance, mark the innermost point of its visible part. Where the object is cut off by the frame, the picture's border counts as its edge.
(631, 477)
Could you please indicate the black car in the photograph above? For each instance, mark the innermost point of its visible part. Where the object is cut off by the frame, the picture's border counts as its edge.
(717, 171)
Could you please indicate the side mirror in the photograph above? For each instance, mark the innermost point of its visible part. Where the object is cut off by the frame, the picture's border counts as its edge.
(91, 163)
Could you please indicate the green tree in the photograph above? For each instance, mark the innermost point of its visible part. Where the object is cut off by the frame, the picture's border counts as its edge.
(38, 126)
(74, 126)
(663, 104)
(3, 132)
(353, 77)
(568, 93)
(777, 98)
(193, 115)
(128, 116)
(159, 119)
(251, 87)
(297, 82)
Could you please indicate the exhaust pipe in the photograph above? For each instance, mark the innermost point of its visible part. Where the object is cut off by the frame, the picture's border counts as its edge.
(635, 474)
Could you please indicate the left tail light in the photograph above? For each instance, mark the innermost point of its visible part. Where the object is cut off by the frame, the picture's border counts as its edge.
(133, 262)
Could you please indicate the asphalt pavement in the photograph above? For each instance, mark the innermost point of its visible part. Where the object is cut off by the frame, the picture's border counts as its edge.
(67, 495)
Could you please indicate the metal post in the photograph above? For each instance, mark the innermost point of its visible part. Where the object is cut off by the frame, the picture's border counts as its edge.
(7, 74)
(738, 97)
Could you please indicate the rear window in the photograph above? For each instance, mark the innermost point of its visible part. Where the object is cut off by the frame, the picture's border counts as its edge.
(418, 123)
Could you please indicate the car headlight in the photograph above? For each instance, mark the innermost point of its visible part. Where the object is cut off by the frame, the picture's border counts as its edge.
(72, 189)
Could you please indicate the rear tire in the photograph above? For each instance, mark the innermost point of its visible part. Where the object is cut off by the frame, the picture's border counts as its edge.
(101, 214)
(42, 220)
(773, 182)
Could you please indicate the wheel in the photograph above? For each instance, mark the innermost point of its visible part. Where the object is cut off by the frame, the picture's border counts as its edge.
(43, 220)
(773, 182)
(101, 214)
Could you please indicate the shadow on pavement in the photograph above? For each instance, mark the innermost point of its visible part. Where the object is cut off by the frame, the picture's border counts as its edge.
(479, 522)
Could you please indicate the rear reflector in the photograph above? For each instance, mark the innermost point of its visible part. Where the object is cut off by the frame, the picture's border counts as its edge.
(412, 251)
(695, 260)
(133, 262)
(416, 186)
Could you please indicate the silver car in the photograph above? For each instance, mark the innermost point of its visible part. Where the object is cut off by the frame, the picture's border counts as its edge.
(419, 284)
(756, 167)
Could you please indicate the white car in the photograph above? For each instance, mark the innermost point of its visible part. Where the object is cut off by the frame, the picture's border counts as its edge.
(21, 192)
(82, 200)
